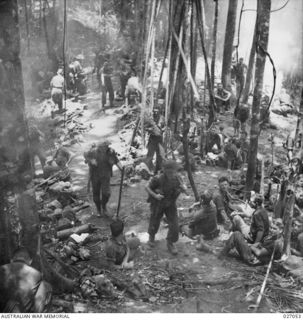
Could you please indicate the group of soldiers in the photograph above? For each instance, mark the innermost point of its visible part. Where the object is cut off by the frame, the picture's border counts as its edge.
(253, 234)
(104, 70)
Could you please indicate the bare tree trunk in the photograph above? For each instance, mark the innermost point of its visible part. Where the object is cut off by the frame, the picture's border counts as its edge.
(229, 42)
(177, 64)
(212, 107)
(48, 40)
(14, 134)
(202, 139)
(214, 45)
(193, 49)
(27, 25)
(287, 219)
(263, 16)
(250, 67)
(186, 126)
(299, 120)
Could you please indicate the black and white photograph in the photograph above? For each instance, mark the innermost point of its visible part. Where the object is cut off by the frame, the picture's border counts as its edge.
(151, 158)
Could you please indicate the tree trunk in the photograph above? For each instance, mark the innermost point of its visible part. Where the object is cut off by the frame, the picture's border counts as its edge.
(186, 126)
(263, 16)
(13, 128)
(214, 45)
(287, 219)
(250, 67)
(202, 139)
(49, 40)
(229, 42)
(193, 49)
(27, 25)
(176, 104)
(299, 120)
(212, 107)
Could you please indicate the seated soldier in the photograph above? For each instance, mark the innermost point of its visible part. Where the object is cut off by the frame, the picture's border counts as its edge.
(59, 162)
(119, 251)
(205, 220)
(223, 202)
(231, 155)
(259, 227)
(257, 252)
(22, 287)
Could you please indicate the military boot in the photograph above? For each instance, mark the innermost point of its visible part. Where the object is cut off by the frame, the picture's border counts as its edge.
(172, 248)
(151, 240)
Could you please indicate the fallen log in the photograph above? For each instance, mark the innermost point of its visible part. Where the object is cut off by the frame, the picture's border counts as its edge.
(78, 230)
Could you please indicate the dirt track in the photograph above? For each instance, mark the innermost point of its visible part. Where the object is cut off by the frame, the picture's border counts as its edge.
(226, 297)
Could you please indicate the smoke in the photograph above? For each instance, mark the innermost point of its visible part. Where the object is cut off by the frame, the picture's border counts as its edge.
(285, 36)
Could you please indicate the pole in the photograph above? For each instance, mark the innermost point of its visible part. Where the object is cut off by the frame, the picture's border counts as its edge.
(120, 192)
(63, 57)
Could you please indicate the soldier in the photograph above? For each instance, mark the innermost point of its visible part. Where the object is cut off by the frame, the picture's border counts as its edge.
(204, 221)
(154, 145)
(22, 287)
(119, 250)
(98, 63)
(222, 98)
(163, 191)
(258, 252)
(124, 75)
(59, 162)
(107, 86)
(101, 159)
(36, 148)
(239, 70)
(57, 86)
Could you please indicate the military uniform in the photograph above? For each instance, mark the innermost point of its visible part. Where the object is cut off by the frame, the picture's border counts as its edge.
(101, 173)
(221, 201)
(205, 222)
(154, 145)
(107, 85)
(239, 72)
(57, 84)
(170, 189)
(36, 148)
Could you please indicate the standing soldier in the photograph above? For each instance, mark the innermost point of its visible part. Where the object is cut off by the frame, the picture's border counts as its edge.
(98, 63)
(57, 86)
(239, 71)
(154, 145)
(101, 159)
(36, 138)
(163, 192)
(107, 86)
(125, 74)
